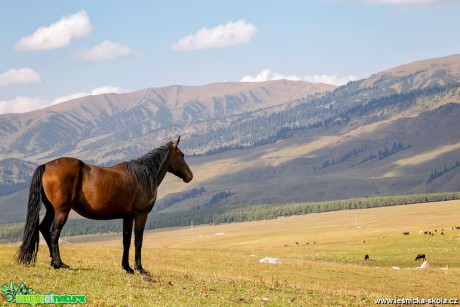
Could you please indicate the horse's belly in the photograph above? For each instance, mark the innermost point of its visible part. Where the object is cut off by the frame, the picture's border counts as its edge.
(105, 204)
(102, 211)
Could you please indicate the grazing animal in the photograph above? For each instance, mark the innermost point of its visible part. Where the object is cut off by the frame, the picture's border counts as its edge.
(125, 191)
(406, 233)
(420, 257)
(442, 233)
(297, 243)
(366, 257)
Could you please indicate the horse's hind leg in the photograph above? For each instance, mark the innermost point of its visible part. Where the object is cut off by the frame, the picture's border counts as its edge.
(47, 222)
(59, 221)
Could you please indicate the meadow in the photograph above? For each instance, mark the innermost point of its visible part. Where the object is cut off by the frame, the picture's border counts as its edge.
(321, 254)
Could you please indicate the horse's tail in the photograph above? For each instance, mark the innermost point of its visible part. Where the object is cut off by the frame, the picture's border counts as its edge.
(28, 251)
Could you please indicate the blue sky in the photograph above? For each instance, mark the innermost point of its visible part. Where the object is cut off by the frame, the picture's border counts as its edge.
(56, 50)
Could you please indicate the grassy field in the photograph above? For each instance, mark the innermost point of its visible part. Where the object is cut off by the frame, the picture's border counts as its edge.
(321, 254)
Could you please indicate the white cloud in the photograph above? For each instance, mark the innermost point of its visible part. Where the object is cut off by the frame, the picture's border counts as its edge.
(19, 76)
(226, 35)
(106, 90)
(107, 50)
(58, 34)
(330, 79)
(23, 104)
(267, 74)
(97, 91)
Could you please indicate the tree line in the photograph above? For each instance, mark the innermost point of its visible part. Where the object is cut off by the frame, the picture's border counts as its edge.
(381, 154)
(436, 174)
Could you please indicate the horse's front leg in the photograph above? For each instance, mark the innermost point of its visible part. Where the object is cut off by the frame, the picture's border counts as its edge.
(139, 225)
(127, 231)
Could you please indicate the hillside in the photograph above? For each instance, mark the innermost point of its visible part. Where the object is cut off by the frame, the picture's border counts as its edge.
(396, 132)
(14, 183)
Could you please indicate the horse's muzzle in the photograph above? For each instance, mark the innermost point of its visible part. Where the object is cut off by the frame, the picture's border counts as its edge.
(188, 179)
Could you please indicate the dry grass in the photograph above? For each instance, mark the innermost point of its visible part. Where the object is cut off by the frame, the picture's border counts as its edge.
(194, 266)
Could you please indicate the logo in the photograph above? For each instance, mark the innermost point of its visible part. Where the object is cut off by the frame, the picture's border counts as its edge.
(21, 294)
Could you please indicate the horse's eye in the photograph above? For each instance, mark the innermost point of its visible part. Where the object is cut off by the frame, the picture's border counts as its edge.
(182, 154)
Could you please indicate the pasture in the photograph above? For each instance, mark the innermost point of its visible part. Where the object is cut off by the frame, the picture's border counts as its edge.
(219, 264)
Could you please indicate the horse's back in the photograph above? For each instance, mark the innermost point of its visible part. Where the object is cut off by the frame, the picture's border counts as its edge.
(64, 163)
(64, 170)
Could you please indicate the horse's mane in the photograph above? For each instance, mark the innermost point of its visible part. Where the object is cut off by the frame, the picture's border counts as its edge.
(146, 168)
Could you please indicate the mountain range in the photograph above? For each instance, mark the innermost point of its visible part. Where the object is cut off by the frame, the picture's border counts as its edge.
(92, 126)
(396, 132)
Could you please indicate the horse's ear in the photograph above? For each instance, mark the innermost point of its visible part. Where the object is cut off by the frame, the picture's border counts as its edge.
(170, 140)
(178, 140)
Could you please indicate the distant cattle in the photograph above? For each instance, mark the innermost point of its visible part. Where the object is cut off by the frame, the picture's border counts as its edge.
(442, 233)
(406, 233)
(420, 257)
(366, 257)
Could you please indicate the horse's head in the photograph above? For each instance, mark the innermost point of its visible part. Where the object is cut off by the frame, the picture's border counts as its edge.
(177, 164)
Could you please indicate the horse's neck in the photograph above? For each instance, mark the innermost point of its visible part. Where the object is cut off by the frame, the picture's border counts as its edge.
(153, 190)
(162, 173)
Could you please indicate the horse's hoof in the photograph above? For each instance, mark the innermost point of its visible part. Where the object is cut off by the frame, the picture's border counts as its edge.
(59, 265)
(64, 266)
(128, 270)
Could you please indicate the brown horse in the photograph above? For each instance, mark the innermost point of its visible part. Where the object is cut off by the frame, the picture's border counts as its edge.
(125, 191)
